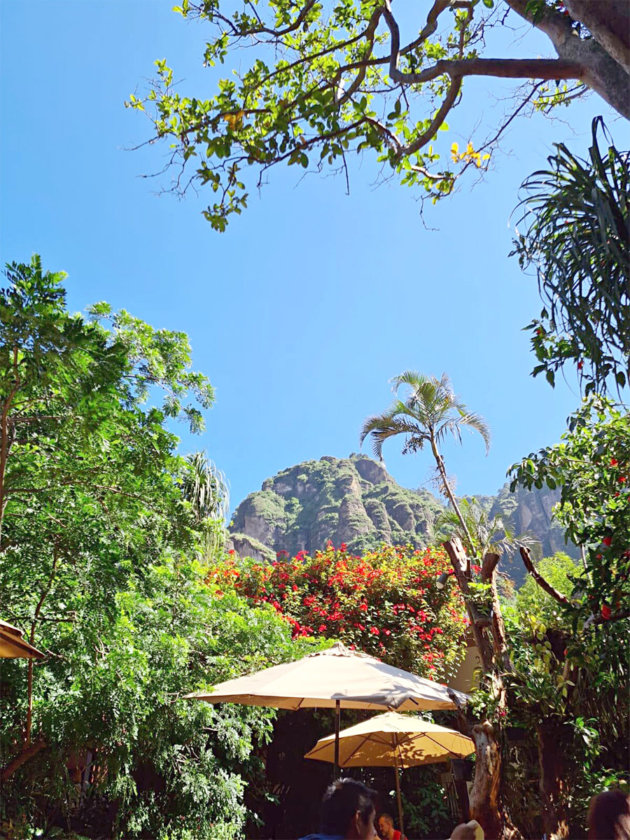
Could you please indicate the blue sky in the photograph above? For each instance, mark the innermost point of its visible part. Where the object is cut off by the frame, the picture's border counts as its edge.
(313, 299)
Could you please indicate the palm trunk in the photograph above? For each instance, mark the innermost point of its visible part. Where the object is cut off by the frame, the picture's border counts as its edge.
(439, 460)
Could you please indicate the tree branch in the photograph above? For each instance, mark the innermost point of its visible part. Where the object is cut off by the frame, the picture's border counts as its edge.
(21, 759)
(540, 580)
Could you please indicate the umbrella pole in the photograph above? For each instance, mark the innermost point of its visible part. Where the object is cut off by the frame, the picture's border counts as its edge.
(398, 796)
(337, 717)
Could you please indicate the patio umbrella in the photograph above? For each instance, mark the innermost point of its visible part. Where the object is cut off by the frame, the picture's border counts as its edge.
(334, 678)
(13, 646)
(393, 740)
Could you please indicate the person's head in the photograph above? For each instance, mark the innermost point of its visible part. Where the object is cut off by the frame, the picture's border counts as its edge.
(348, 809)
(609, 816)
(386, 826)
(467, 831)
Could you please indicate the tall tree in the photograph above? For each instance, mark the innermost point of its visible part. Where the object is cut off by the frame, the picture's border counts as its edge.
(429, 413)
(325, 81)
(98, 561)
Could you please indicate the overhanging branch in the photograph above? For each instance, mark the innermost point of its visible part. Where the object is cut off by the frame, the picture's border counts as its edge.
(540, 580)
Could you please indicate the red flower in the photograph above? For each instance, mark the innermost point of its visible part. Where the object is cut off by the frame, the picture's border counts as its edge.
(622, 479)
(607, 540)
(375, 631)
(606, 612)
(321, 628)
(363, 607)
(613, 462)
(343, 547)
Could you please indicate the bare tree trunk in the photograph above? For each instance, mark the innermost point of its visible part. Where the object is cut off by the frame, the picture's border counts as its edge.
(485, 805)
(485, 798)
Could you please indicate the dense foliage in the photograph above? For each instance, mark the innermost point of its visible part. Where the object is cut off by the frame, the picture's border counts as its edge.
(592, 468)
(101, 524)
(385, 602)
(568, 699)
(576, 234)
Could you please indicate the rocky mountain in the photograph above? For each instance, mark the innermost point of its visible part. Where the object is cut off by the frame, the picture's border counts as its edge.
(355, 501)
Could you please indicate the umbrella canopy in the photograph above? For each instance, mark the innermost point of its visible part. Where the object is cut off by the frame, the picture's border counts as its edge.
(334, 678)
(13, 646)
(393, 740)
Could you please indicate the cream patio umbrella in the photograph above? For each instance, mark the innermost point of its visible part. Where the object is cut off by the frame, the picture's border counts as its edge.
(13, 646)
(393, 740)
(335, 678)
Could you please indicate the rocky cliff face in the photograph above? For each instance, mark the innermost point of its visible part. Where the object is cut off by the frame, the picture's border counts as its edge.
(355, 501)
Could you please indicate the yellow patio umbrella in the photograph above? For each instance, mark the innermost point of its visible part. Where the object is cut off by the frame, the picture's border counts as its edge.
(13, 646)
(334, 678)
(393, 740)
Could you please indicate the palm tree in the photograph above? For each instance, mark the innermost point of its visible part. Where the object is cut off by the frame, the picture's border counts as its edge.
(430, 413)
(205, 489)
(490, 533)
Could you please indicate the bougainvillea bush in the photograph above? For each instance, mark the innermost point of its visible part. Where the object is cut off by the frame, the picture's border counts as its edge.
(386, 602)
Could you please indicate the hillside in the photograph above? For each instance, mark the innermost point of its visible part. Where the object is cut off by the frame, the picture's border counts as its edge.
(355, 501)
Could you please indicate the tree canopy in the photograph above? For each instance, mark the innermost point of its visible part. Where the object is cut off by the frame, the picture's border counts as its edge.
(102, 558)
(317, 82)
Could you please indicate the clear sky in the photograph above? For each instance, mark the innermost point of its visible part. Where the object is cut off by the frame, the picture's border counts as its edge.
(313, 299)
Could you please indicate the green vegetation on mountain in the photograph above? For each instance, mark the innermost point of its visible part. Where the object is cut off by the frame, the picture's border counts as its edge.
(355, 501)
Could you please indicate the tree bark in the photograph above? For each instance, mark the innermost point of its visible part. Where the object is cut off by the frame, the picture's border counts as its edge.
(22, 758)
(603, 57)
(485, 796)
(550, 758)
(486, 789)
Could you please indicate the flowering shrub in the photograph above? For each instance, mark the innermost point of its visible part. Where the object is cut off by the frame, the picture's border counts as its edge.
(386, 602)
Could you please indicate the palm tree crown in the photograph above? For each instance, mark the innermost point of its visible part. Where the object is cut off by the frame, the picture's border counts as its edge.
(430, 412)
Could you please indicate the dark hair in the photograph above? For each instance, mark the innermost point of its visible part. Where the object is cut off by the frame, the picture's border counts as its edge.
(341, 802)
(604, 813)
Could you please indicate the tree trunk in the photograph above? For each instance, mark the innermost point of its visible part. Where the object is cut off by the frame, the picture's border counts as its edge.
(485, 797)
(551, 762)
(604, 56)
(485, 794)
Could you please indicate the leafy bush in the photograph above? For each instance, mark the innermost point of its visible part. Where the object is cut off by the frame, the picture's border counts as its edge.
(386, 602)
